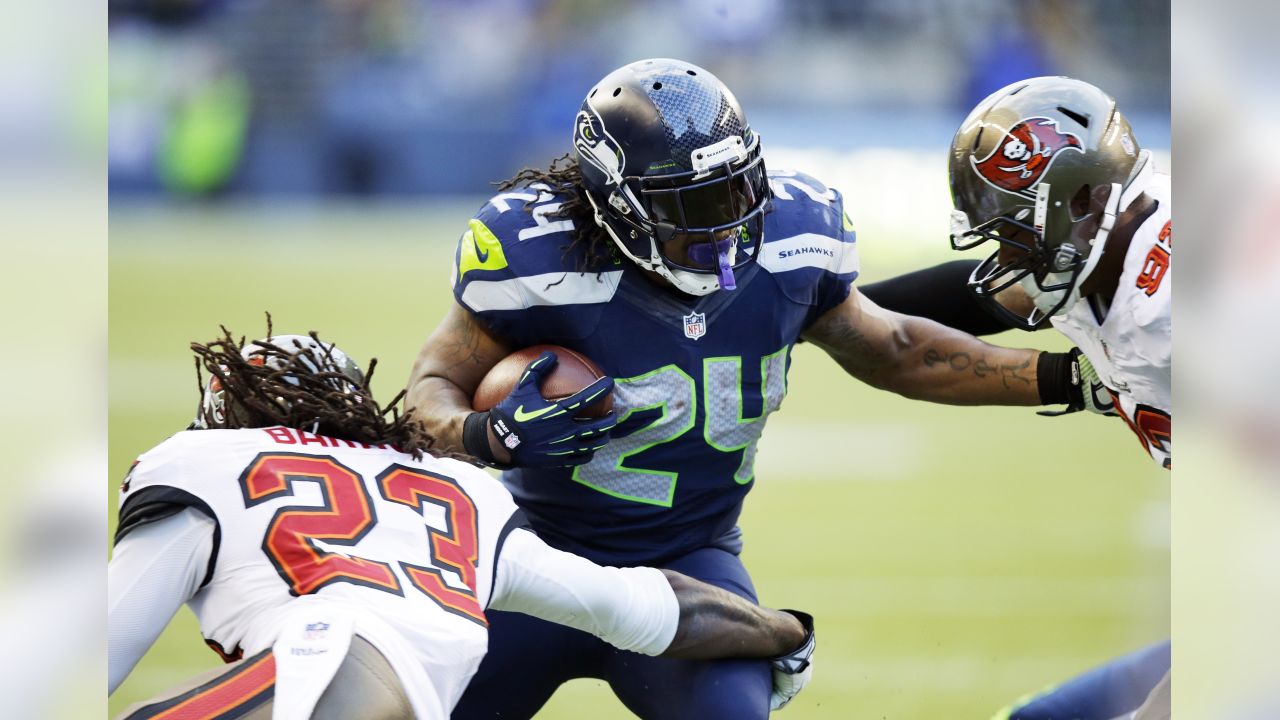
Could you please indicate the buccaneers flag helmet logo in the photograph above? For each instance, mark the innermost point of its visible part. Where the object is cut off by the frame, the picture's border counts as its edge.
(1026, 151)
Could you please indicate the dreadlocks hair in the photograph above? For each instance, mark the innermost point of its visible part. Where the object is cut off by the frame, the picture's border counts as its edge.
(301, 388)
(564, 176)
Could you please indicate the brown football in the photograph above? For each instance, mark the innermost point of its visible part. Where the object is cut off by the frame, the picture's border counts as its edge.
(571, 373)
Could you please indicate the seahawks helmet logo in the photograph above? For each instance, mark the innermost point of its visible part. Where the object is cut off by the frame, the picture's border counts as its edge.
(1023, 155)
(595, 145)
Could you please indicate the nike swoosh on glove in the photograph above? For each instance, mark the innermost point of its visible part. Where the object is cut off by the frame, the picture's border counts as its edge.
(792, 671)
(544, 433)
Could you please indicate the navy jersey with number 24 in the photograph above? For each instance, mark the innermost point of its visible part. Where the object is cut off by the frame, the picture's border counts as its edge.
(696, 378)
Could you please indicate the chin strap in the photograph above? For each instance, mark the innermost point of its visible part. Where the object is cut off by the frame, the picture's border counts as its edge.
(1118, 201)
(1138, 180)
(1098, 245)
(1048, 301)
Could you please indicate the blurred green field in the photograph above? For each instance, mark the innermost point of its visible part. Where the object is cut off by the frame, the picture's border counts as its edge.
(955, 558)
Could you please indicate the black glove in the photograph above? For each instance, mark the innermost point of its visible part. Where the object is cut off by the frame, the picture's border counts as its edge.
(1069, 377)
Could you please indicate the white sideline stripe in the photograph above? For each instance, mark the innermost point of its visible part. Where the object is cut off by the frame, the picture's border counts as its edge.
(1010, 673)
(786, 451)
(990, 597)
(809, 250)
(557, 288)
(1153, 528)
(1007, 676)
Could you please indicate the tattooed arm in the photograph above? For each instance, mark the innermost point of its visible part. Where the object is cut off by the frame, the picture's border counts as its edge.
(451, 364)
(921, 359)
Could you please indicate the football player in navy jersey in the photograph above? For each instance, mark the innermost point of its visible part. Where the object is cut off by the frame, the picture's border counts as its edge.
(664, 251)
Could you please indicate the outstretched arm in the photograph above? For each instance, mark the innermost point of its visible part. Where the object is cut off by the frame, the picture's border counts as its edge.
(941, 294)
(715, 623)
(923, 360)
(654, 612)
(155, 569)
(453, 360)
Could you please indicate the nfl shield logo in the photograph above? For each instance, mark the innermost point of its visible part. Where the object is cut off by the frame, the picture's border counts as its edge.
(695, 325)
(316, 631)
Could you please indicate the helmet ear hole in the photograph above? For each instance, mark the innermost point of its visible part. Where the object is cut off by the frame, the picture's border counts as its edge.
(1080, 202)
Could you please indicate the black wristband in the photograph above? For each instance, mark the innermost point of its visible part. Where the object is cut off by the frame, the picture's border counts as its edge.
(1058, 378)
(475, 438)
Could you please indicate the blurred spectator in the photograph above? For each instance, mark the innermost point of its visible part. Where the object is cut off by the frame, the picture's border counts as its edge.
(172, 13)
(1012, 47)
(413, 97)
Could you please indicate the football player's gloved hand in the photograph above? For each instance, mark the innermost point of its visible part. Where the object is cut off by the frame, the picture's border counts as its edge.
(1084, 389)
(1094, 396)
(792, 671)
(544, 433)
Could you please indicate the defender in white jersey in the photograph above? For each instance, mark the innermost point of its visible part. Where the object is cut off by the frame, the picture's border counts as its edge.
(1129, 339)
(346, 578)
(1050, 170)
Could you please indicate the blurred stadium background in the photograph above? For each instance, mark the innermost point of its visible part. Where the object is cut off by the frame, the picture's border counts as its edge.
(319, 160)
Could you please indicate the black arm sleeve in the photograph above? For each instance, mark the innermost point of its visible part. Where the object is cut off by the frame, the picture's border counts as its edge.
(939, 294)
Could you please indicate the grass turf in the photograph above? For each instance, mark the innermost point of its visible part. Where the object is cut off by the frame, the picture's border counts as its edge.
(955, 558)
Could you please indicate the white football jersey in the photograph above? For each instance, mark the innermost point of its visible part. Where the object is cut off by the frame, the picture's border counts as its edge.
(1132, 348)
(409, 546)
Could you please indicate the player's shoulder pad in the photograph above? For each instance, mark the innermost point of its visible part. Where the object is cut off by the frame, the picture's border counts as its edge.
(511, 256)
(166, 454)
(162, 464)
(808, 228)
(153, 488)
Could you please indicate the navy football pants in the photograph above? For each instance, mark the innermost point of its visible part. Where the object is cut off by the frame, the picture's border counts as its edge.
(529, 658)
(1103, 693)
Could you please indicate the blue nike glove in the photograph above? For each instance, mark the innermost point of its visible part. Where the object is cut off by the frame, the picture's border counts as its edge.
(544, 433)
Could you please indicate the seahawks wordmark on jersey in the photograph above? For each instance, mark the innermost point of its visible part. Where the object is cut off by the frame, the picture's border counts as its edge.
(407, 548)
(696, 376)
(1132, 347)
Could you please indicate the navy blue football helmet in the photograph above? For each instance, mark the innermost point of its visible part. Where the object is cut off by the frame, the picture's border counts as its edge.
(674, 172)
